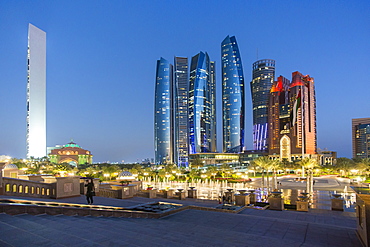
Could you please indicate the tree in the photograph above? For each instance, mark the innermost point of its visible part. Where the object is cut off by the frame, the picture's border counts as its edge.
(225, 170)
(309, 164)
(196, 163)
(344, 165)
(362, 165)
(212, 171)
(263, 163)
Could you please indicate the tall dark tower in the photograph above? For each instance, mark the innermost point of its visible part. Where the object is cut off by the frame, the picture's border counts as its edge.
(263, 78)
(181, 115)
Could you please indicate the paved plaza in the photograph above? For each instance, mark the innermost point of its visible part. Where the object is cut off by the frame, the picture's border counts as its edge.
(250, 227)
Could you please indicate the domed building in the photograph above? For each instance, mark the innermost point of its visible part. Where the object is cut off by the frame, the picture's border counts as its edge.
(72, 154)
(10, 171)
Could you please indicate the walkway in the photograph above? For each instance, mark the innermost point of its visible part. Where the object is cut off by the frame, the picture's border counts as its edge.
(250, 227)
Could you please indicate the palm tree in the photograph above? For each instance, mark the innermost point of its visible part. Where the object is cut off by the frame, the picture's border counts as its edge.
(309, 164)
(212, 171)
(363, 165)
(344, 165)
(196, 163)
(263, 163)
(274, 166)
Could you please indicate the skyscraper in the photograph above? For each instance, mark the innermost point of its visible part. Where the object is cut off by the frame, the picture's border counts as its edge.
(36, 92)
(201, 105)
(292, 117)
(361, 138)
(181, 88)
(263, 78)
(233, 103)
(163, 134)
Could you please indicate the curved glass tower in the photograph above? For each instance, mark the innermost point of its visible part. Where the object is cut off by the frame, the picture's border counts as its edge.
(233, 102)
(201, 105)
(263, 78)
(162, 112)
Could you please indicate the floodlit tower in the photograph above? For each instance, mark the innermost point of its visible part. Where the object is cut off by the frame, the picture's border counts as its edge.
(162, 113)
(36, 92)
(263, 78)
(181, 88)
(201, 105)
(233, 103)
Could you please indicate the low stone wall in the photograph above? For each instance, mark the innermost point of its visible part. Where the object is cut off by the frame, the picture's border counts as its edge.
(20, 187)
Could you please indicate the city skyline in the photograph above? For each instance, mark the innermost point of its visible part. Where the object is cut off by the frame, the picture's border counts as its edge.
(100, 65)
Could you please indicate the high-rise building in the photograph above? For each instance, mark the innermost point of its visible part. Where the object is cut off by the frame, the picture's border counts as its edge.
(292, 117)
(361, 138)
(163, 133)
(181, 89)
(201, 105)
(36, 92)
(233, 103)
(263, 78)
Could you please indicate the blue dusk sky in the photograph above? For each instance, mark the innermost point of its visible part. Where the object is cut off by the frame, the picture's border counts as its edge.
(101, 58)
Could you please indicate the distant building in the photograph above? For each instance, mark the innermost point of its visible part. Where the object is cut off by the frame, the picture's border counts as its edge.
(36, 93)
(233, 102)
(72, 154)
(361, 138)
(163, 132)
(292, 118)
(180, 108)
(263, 77)
(202, 119)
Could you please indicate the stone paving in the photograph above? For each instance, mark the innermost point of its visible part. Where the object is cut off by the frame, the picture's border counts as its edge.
(251, 227)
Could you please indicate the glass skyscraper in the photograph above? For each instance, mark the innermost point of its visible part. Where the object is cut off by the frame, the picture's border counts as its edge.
(181, 89)
(201, 105)
(36, 93)
(162, 113)
(233, 103)
(263, 78)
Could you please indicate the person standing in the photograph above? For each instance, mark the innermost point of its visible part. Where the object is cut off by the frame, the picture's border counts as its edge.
(90, 191)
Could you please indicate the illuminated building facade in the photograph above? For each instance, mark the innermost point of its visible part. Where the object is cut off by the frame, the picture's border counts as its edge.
(201, 105)
(181, 144)
(36, 93)
(292, 135)
(263, 78)
(163, 134)
(361, 138)
(72, 154)
(233, 103)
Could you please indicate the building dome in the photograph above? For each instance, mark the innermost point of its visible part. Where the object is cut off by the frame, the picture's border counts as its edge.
(72, 145)
(125, 175)
(10, 167)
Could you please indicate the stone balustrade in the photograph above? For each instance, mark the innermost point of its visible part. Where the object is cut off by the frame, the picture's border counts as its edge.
(20, 187)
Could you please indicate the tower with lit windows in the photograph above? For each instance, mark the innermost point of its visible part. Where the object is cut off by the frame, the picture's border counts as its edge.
(233, 103)
(292, 118)
(202, 105)
(263, 78)
(36, 92)
(163, 134)
(180, 107)
(361, 138)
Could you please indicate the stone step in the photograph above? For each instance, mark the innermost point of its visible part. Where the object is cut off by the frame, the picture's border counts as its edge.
(102, 231)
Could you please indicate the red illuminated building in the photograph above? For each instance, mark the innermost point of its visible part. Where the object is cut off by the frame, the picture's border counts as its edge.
(292, 117)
